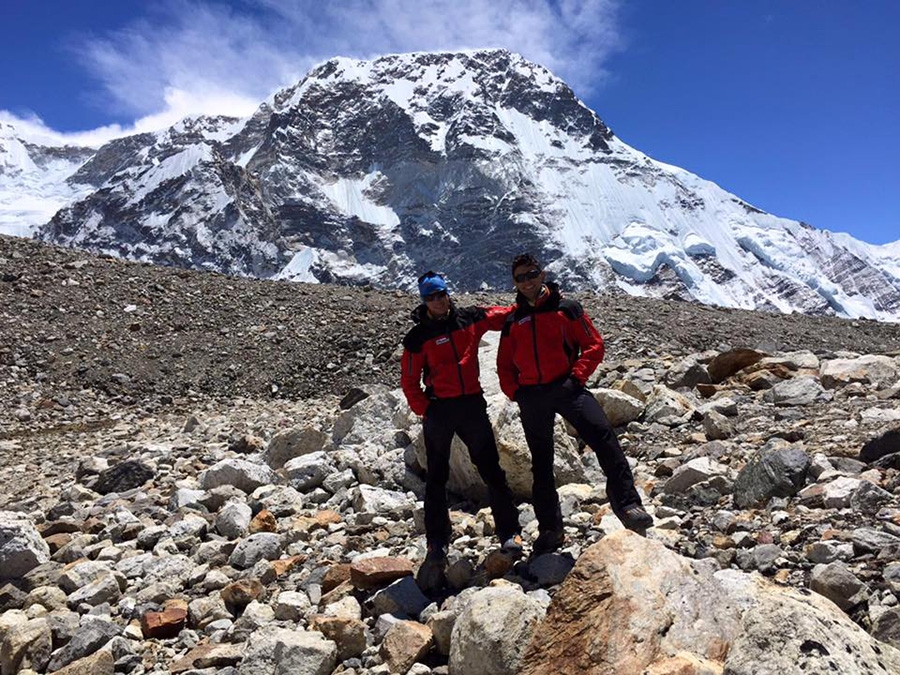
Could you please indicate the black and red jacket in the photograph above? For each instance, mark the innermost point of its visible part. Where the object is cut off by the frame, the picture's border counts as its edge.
(547, 342)
(444, 353)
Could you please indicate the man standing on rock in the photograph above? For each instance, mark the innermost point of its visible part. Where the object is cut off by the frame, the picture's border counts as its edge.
(548, 349)
(442, 350)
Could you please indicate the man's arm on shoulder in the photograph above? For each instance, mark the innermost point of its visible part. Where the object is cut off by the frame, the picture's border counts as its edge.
(496, 316)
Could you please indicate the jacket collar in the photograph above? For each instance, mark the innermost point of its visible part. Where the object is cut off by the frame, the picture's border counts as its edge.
(549, 302)
(420, 315)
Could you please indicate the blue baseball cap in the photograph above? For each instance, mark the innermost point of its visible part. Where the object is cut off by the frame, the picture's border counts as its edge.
(431, 282)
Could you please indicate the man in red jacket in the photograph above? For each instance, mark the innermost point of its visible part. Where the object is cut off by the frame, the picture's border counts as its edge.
(548, 349)
(441, 351)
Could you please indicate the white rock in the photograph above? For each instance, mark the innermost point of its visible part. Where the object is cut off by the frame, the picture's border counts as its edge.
(21, 546)
(242, 474)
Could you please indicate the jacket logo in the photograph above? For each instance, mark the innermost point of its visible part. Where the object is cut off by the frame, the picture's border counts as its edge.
(525, 320)
(442, 340)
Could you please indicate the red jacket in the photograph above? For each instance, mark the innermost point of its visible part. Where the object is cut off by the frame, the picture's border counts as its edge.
(546, 343)
(444, 353)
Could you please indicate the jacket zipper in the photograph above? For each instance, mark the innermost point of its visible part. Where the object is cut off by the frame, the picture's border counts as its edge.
(537, 361)
(462, 384)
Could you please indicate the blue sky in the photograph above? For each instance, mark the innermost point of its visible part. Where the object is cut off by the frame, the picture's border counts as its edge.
(793, 106)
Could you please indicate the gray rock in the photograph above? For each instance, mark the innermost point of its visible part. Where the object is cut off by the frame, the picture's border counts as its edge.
(796, 391)
(828, 551)
(550, 569)
(837, 583)
(233, 520)
(281, 651)
(693, 472)
(240, 473)
(256, 547)
(103, 589)
(123, 476)
(886, 627)
(91, 635)
(619, 407)
(490, 634)
(291, 443)
(716, 426)
(401, 598)
(778, 472)
(868, 498)
(21, 546)
(369, 499)
(309, 471)
(870, 540)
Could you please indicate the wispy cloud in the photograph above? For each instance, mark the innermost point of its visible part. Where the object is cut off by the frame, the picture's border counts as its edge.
(204, 57)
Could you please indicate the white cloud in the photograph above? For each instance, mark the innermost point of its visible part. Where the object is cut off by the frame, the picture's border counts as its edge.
(210, 58)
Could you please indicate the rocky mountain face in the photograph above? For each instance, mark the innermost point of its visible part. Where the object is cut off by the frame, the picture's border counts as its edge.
(156, 520)
(370, 172)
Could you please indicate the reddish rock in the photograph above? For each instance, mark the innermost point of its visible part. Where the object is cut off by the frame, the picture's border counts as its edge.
(57, 541)
(405, 643)
(242, 592)
(285, 565)
(335, 576)
(206, 655)
(726, 364)
(376, 572)
(497, 564)
(348, 634)
(167, 623)
(264, 521)
(327, 517)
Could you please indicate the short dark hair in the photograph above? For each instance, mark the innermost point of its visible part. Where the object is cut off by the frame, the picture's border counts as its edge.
(524, 259)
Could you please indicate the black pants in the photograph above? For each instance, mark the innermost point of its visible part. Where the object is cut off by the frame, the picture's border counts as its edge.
(467, 417)
(538, 406)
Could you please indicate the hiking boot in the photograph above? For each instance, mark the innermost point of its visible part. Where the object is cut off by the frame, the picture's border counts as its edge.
(548, 541)
(512, 546)
(430, 577)
(636, 519)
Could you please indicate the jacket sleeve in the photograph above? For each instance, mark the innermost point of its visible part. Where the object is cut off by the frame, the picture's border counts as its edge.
(588, 339)
(412, 364)
(495, 317)
(506, 369)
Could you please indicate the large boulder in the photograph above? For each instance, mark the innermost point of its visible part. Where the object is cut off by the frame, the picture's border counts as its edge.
(630, 605)
(294, 442)
(776, 471)
(727, 363)
(666, 406)
(619, 407)
(240, 473)
(490, 633)
(515, 458)
(282, 650)
(878, 371)
(21, 546)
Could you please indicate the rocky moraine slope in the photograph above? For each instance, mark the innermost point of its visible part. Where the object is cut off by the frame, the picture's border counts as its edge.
(204, 474)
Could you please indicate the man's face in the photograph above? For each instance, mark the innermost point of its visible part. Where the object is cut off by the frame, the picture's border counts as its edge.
(529, 280)
(438, 303)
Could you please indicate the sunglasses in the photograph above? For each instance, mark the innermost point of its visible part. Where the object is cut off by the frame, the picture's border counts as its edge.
(527, 276)
(437, 295)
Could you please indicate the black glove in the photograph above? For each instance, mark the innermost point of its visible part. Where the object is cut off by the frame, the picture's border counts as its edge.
(571, 385)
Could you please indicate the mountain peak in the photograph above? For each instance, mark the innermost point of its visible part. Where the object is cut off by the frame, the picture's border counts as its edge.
(368, 172)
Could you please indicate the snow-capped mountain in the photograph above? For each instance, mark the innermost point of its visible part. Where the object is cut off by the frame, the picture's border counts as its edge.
(374, 171)
(33, 183)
